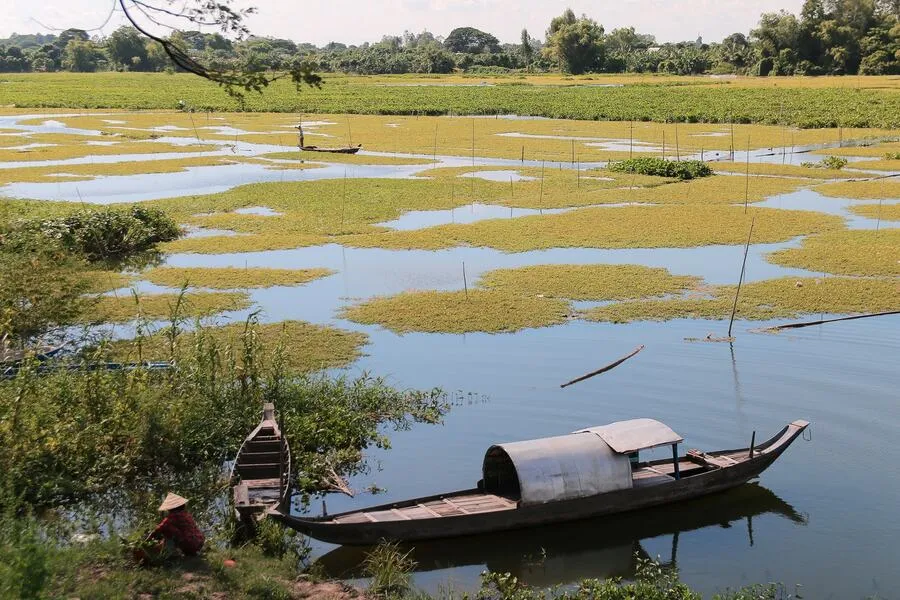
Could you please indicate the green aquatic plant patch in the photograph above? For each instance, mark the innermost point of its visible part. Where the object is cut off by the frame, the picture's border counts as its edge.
(347, 159)
(230, 244)
(303, 347)
(862, 190)
(122, 308)
(775, 169)
(891, 162)
(225, 278)
(459, 311)
(873, 150)
(588, 282)
(885, 212)
(81, 150)
(613, 227)
(100, 282)
(850, 252)
(787, 297)
(816, 104)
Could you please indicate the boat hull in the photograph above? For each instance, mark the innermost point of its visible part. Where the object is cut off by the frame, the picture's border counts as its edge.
(635, 498)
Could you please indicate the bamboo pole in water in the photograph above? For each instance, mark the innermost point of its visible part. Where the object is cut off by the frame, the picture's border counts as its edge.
(608, 367)
(741, 278)
(747, 184)
(835, 320)
(465, 283)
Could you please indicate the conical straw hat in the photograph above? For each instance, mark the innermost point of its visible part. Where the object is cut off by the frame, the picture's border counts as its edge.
(172, 501)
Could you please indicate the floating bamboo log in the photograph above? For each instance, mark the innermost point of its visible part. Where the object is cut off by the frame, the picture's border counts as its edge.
(608, 367)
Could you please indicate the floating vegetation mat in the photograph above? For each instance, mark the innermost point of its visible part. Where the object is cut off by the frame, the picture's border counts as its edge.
(348, 159)
(613, 227)
(90, 171)
(305, 347)
(588, 282)
(162, 306)
(761, 300)
(459, 312)
(78, 149)
(757, 168)
(883, 164)
(850, 252)
(870, 189)
(874, 150)
(106, 281)
(885, 212)
(232, 278)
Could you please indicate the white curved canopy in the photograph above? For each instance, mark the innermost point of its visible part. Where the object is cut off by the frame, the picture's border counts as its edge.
(558, 468)
(626, 437)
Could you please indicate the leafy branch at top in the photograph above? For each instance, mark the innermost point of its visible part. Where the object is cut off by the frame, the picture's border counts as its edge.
(248, 76)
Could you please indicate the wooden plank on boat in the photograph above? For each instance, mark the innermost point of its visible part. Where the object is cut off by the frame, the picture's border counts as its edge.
(400, 514)
(433, 513)
(263, 483)
(456, 506)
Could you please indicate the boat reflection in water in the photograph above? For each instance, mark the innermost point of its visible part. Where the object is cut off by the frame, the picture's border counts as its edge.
(596, 548)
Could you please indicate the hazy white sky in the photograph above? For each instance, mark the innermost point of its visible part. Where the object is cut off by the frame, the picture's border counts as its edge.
(356, 21)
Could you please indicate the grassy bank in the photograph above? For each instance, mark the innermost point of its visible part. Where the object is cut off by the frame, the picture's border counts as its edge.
(807, 103)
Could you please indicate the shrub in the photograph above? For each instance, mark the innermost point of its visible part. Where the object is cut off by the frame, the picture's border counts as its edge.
(829, 162)
(98, 235)
(390, 571)
(682, 169)
(892, 156)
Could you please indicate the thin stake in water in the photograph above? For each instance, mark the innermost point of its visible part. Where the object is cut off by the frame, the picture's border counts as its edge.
(747, 185)
(741, 278)
(630, 139)
(677, 151)
(573, 154)
(465, 283)
(541, 197)
(435, 142)
(344, 199)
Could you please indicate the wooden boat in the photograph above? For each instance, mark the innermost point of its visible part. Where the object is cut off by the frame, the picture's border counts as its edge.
(345, 150)
(588, 473)
(261, 475)
(602, 547)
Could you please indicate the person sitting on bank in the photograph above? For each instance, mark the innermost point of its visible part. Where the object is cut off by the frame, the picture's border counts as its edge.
(178, 529)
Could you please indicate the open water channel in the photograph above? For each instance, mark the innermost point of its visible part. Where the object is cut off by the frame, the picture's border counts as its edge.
(824, 516)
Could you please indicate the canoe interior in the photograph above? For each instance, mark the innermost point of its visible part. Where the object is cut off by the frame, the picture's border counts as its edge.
(261, 472)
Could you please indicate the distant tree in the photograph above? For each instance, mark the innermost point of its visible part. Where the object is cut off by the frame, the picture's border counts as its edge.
(71, 34)
(575, 44)
(471, 40)
(526, 49)
(126, 48)
(80, 56)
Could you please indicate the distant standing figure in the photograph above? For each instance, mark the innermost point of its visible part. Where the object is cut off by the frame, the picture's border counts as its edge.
(178, 528)
(300, 129)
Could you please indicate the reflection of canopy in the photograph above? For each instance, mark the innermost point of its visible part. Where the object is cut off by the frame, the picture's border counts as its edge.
(637, 434)
(556, 468)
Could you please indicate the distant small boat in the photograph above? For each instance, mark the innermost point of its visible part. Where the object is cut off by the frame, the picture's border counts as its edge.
(261, 475)
(587, 473)
(347, 150)
(344, 150)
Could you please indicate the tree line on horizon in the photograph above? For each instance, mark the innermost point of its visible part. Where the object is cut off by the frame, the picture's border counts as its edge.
(828, 37)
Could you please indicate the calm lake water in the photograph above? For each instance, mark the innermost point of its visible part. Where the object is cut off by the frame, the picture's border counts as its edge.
(823, 516)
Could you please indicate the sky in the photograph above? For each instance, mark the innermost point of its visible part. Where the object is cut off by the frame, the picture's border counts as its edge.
(357, 21)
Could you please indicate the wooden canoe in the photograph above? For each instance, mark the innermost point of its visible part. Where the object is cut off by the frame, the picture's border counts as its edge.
(346, 150)
(261, 474)
(485, 509)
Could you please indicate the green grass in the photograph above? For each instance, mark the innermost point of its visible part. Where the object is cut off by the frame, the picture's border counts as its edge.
(761, 300)
(883, 164)
(161, 306)
(459, 312)
(615, 227)
(232, 278)
(588, 282)
(306, 347)
(854, 252)
(805, 105)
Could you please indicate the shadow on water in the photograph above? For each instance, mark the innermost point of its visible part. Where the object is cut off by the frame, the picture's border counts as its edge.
(595, 548)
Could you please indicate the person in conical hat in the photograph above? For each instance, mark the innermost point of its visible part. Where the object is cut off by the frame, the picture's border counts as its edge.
(178, 529)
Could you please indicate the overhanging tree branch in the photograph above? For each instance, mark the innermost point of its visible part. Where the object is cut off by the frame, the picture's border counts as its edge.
(246, 77)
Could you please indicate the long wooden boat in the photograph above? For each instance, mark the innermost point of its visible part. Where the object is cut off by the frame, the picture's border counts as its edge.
(261, 474)
(588, 473)
(343, 150)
